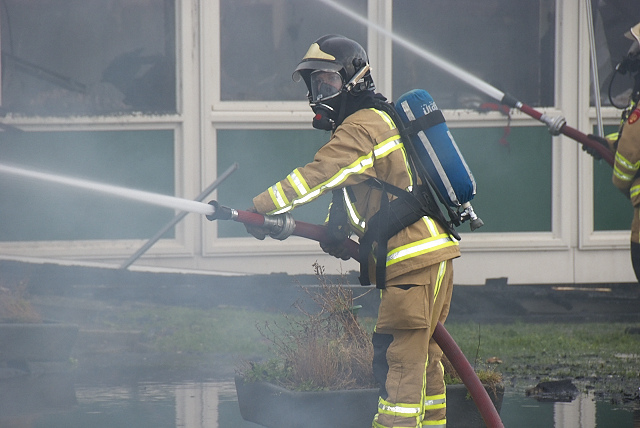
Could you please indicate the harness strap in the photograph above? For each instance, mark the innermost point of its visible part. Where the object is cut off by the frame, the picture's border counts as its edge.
(392, 217)
(424, 122)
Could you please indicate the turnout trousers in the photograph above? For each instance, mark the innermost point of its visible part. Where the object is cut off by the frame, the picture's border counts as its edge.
(407, 361)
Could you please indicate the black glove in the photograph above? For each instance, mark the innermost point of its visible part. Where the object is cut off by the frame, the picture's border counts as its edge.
(337, 228)
(336, 249)
(593, 152)
(258, 232)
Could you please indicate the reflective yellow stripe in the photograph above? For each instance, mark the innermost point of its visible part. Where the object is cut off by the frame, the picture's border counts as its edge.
(385, 117)
(354, 217)
(387, 146)
(435, 424)
(298, 183)
(398, 409)
(420, 247)
(277, 195)
(441, 270)
(431, 225)
(621, 175)
(435, 401)
(626, 163)
(635, 190)
(360, 165)
(423, 390)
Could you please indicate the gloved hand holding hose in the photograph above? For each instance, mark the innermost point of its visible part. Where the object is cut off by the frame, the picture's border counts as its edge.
(258, 231)
(336, 249)
(279, 226)
(592, 151)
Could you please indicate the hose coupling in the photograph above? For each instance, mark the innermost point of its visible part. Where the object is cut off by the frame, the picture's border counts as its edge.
(281, 226)
(554, 124)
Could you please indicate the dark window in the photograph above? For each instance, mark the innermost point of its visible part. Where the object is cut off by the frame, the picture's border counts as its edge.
(88, 57)
(611, 20)
(506, 43)
(263, 41)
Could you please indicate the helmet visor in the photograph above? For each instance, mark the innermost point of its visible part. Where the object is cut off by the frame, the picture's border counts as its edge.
(325, 85)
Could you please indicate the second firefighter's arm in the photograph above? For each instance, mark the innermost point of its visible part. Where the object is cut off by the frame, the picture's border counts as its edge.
(627, 159)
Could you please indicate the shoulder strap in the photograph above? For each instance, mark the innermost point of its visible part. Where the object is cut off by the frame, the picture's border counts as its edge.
(417, 167)
(409, 207)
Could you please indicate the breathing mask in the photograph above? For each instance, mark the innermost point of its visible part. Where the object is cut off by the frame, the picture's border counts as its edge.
(325, 90)
(333, 68)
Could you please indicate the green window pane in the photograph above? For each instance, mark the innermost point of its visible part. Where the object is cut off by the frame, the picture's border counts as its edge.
(514, 180)
(33, 210)
(265, 157)
(513, 177)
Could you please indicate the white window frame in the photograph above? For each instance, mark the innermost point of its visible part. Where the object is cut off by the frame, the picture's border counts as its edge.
(184, 124)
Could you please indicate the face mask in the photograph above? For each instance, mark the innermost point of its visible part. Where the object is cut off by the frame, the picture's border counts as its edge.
(326, 113)
(323, 119)
(325, 85)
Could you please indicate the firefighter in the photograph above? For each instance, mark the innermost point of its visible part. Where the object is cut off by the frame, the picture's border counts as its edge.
(365, 148)
(627, 149)
(626, 145)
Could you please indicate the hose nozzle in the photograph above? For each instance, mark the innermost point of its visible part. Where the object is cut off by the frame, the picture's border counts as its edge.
(220, 212)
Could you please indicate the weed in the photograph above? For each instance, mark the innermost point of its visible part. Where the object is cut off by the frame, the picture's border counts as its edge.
(324, 350)
(14, 306)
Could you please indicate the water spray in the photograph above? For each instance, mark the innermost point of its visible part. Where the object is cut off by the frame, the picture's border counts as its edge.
(556, 125)
(123, 192)
(281, 226)
(135, 256)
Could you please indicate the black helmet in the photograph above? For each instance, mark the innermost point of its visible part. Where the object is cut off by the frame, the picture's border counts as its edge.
(631, 63)
(634, 35)
(335, 53)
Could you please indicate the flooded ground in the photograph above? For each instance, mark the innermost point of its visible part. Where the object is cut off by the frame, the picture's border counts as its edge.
(113, 379)
(51, 402)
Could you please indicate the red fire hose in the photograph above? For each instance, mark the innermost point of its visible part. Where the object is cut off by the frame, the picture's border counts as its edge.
(558, 126)
(284, 225)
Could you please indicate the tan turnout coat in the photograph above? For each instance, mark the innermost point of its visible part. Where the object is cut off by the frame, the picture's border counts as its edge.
(365, 145)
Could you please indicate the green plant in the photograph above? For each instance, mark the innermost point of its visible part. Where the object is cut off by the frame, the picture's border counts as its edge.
(324, 350)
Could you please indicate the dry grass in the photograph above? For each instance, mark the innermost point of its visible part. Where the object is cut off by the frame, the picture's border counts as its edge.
(14, 307)
(324, 350)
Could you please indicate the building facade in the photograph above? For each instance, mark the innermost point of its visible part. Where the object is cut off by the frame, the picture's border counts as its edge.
(165, 95)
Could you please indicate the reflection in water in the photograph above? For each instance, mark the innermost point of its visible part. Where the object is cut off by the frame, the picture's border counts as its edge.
(197, 405)
(25, 398)
(581, 412)
(55, 402)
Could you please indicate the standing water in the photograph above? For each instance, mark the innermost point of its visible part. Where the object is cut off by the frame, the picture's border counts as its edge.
(213, 404)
